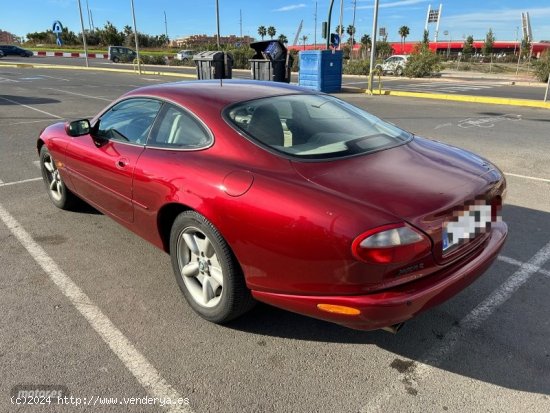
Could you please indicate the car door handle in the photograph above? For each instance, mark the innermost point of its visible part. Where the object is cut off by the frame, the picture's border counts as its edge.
(121, 163)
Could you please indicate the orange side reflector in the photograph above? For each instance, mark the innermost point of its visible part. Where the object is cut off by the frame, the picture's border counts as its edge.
(338, 309)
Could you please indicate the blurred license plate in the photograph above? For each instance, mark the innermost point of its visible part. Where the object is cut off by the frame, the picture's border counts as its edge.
(467, 224)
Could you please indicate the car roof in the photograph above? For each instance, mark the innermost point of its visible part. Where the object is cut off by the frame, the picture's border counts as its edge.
(217, 92)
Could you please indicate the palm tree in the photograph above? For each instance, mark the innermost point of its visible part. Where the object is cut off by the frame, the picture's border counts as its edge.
(262, 31)
(304, 40)
(351, 41)
(366, 42)
(283, 39)
(403, 32)
(271, 31)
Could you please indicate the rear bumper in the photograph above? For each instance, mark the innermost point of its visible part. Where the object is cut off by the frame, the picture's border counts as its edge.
(401, 303)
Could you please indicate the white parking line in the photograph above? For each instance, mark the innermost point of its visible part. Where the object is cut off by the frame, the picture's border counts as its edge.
(58, 78)
(431, 359)
(517, 263)
(27, 122)
(528, 177)
(145, 373)
(4, 79)
(19, 182)
(77, 94)
(30, 107)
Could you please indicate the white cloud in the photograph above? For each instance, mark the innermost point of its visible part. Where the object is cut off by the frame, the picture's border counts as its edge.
(291, 7)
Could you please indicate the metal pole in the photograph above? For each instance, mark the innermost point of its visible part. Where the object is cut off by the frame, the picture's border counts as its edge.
(315, 32)
(83, 34)
(328, 23)
(519, 59)
(353, 28)
(547, 87)
(89, 17)
(92, 17)
(373, 46)
(427, 17)
(165, 25)
(516, 43)
(136, 37)
(218, 24)
(241, 22)
(341, 23)
(437, 25)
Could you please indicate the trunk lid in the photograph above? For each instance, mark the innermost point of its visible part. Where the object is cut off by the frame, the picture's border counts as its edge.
(422, 182)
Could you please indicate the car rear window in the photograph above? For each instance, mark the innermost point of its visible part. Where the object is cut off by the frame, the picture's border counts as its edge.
(313, 126)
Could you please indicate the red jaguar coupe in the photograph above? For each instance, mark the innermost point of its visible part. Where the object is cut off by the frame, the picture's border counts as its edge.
(269, 192)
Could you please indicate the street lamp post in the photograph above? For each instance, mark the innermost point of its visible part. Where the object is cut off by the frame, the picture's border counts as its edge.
(83, 34)
(547, 87)
(373, 45)
(218, 24)
(136, 37)
(446, 33)
(328, 23)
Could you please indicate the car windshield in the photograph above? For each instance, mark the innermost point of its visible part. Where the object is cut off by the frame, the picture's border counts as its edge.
(314, 126)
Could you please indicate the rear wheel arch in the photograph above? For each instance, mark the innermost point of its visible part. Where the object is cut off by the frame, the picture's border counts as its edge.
(39, 144)
(165, 219)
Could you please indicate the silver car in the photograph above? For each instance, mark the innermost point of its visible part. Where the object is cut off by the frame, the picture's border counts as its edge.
(185, 55)
(394, 65)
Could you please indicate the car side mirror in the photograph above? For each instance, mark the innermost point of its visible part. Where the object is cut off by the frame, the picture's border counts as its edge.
(78, 127)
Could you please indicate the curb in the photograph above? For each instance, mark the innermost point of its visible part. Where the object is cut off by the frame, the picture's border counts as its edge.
(467, 98)
(98, 69)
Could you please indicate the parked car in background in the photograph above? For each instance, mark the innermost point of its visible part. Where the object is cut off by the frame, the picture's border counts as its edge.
(261, 191)
(12, 50)
(394, 65)
(121, 54)
(185, 55)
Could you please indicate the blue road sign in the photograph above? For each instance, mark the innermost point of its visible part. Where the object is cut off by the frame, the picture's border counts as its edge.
(57, 28)
(334, 39)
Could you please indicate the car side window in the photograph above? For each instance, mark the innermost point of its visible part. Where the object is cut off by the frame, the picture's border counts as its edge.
(178, 129)
(129, 121)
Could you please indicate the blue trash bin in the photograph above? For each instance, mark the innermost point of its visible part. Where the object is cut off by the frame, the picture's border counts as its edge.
(321, 70)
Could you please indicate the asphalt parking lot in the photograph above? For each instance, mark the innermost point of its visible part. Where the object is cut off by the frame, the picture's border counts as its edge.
(88, 305)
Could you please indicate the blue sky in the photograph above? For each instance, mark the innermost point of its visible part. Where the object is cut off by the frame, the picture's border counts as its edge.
(459, 17)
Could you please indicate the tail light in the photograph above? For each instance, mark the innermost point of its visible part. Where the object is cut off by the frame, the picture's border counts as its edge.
(389, 244)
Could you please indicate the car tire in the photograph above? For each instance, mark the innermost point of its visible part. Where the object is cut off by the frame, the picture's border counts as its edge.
(206, 270)
(58, 192)
(116, 60)
(399, 71)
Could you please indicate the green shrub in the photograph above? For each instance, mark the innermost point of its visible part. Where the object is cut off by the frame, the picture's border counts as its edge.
(241, 56)
(176, 62)
(356, 67)
(422, 62)
(542, 67)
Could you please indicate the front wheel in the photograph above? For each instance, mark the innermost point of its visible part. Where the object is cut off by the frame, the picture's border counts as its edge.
(59, 194)
(206, 270)
(399, 71)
